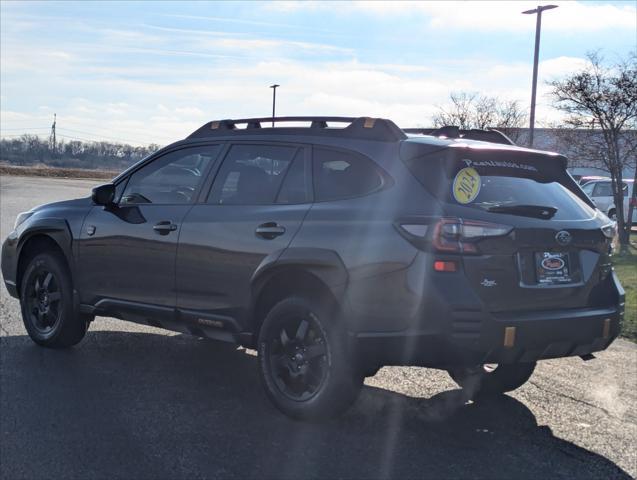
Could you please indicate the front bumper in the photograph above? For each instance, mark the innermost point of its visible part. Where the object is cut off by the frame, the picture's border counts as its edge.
(477, 337)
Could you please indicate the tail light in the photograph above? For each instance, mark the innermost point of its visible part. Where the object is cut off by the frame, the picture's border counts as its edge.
(633, 202)
(456, 235)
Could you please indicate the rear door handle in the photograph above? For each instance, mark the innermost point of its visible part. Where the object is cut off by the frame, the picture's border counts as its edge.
(269, 230)
(165, 227)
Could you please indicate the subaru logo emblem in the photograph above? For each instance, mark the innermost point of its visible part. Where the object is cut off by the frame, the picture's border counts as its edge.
(563, 237)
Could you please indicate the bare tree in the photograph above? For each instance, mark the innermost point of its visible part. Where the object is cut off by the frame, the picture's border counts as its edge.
(472, 110)
(604, 98)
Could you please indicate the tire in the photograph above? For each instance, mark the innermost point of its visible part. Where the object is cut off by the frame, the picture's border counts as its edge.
(46, 301)
(484, 382)
(612, 215)
(304, 364)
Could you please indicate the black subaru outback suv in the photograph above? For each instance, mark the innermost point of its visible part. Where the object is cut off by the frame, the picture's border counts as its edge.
(334, 246)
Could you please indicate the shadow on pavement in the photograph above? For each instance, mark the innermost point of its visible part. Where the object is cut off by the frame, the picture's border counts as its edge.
(133, 405)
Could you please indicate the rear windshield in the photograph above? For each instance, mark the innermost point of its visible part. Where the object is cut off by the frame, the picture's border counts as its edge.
(510, 187)
(496, 191)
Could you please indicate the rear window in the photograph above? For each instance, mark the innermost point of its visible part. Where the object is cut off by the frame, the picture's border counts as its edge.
(502, 186)
(340, 175)
(497, 190)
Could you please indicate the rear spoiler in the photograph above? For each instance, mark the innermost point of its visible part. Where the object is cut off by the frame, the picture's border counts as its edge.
(490, 135)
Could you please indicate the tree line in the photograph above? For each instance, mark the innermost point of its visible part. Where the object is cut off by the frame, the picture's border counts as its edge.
(31, 150)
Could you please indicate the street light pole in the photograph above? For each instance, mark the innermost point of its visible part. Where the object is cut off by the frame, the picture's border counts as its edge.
(274, 87)
(538, 27)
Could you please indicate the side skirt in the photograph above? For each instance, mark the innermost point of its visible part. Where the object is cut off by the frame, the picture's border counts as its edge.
(199, 324)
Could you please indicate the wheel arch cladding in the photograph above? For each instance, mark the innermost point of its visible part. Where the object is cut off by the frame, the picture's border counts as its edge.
(46, 235)
(315, 273)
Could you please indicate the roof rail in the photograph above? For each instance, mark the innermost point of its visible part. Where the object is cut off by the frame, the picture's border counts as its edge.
(362, 127)
(489, 135)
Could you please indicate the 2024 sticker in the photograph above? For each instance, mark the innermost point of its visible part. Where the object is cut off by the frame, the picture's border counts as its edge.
(466, 185)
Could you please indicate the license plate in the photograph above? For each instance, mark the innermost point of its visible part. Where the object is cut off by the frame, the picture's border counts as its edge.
(552, 268)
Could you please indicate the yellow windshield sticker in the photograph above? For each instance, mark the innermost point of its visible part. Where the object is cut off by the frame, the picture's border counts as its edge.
(466, 185)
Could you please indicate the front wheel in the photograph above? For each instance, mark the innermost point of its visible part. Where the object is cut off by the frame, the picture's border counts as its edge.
(305, 367)
(46, 301)
(489, 380)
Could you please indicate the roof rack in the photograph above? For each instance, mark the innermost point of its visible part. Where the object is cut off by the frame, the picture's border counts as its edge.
(366, 128)
(490, 135)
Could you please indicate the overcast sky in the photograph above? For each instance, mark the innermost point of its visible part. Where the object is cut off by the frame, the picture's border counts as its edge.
(153, 72)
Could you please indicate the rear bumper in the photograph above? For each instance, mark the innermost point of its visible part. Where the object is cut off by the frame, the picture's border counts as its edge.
(477, 337)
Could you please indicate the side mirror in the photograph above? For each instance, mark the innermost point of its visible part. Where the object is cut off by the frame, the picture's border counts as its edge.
(104, 194)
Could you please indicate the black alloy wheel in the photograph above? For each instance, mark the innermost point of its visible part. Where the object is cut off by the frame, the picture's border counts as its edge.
(306, 368)
(44, 300)
(298, 357)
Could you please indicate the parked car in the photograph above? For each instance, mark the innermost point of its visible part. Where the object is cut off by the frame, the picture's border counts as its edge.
(333, 252)
(583, 180)
(601, 194)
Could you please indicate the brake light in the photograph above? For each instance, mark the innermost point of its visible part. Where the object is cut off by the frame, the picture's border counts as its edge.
(633, 202)
(456, 235)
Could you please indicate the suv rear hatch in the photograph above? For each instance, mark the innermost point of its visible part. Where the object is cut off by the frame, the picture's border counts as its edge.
(528, 237)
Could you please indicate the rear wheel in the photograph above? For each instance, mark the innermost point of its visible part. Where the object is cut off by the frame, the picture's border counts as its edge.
(613, 215)
(305, 367)
(491, 380)
(46, 301)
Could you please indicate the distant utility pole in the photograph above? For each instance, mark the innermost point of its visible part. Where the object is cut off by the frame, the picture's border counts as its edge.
(274, 87)
(538, 27)
(52, 139)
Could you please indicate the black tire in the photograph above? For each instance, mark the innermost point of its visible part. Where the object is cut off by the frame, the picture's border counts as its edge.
(483, 381)
(305, 367)
(612, 215)
(46, 301)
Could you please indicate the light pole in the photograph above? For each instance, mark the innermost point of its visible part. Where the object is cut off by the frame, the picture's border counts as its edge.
(274, 87)
(538, 26)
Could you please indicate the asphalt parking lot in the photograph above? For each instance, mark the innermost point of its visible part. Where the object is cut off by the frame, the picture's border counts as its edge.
(137, 402)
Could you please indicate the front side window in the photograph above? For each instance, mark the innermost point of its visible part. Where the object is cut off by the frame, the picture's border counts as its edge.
(172, 178)
(339, 175)
(252, 174)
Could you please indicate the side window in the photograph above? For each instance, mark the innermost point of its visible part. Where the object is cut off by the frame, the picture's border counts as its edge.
(170, 179)
(603, 189)
(251, 174)
(296, 187)
(588, 189)
(343, 175)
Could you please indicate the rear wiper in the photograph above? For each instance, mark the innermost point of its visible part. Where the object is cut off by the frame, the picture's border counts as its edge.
(537, 211)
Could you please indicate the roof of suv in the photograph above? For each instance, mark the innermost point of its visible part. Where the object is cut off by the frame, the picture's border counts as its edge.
(361, 128)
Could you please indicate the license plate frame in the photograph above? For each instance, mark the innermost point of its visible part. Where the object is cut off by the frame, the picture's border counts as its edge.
(553, 268)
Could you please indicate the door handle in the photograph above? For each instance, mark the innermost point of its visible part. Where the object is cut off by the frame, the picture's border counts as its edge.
(269, 230)
(165, 227)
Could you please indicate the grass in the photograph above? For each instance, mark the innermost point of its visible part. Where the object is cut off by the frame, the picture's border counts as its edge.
(626, 269)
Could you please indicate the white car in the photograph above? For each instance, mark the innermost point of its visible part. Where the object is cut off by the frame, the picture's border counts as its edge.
(601, 193)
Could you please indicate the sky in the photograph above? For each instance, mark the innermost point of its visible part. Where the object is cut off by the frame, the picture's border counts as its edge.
(143, 72)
